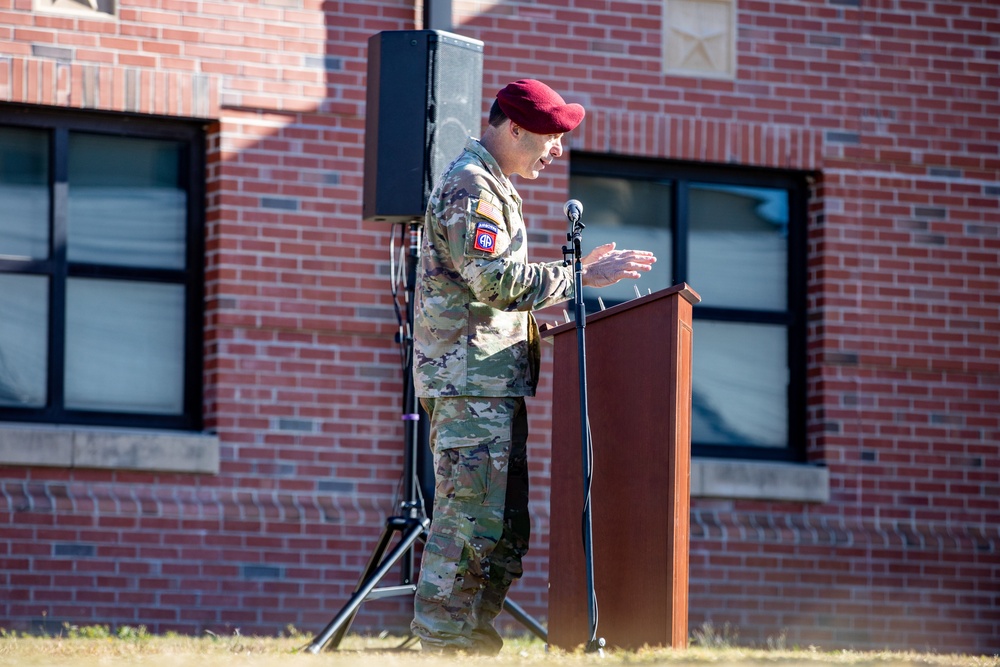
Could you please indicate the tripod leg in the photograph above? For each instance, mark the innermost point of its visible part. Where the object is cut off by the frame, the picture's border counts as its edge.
(338, 627)
(524, 619)
(355, 601)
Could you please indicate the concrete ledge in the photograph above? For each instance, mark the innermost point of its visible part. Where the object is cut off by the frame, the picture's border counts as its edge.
(759, 480)
(108, 448)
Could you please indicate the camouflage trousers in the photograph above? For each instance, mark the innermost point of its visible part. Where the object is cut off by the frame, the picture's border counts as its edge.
(480, 528)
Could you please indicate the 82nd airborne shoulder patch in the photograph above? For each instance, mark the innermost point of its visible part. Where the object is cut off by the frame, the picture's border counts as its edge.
(486, 237)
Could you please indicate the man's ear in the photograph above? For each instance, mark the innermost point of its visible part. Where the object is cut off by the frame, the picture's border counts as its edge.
(514, 129)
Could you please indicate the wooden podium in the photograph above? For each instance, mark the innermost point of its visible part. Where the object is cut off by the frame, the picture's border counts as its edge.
(639, 400)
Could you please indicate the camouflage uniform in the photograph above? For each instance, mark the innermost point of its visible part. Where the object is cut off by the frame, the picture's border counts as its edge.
(475, 358)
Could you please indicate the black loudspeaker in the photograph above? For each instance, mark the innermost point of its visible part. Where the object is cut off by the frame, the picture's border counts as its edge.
(424, 99)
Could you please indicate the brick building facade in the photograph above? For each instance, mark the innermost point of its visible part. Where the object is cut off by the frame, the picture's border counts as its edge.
(250, 495)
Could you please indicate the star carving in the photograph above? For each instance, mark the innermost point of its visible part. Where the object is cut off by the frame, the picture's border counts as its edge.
(700, 41)
(699, 35)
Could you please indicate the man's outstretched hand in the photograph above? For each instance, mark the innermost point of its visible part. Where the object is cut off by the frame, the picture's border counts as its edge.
(605, 266)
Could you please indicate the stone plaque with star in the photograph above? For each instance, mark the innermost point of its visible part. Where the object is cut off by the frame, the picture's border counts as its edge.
(699, 38)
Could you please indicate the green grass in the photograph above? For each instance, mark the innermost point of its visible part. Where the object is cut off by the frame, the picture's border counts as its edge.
(98, 646)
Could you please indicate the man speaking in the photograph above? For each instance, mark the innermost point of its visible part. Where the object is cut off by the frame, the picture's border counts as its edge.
(476, 357)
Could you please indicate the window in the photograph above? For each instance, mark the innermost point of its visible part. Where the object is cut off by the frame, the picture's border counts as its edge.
(737, 236)
(100, 269)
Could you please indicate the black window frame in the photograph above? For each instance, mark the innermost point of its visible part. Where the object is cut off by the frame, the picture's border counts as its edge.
(59, 123)
(680, 175)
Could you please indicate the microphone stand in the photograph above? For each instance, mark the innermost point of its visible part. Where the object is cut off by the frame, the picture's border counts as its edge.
(572, 253)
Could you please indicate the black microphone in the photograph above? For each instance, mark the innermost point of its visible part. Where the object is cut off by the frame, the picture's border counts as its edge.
(573, 210)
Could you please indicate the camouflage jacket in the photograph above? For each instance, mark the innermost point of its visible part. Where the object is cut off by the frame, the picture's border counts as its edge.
(473, 330)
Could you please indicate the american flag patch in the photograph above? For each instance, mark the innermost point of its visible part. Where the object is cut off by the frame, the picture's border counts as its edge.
(488, 210)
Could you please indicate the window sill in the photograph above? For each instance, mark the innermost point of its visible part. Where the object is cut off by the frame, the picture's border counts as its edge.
(108, 448)
(759, 480)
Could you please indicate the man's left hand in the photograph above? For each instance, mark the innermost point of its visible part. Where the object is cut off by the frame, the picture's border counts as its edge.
(604, 265)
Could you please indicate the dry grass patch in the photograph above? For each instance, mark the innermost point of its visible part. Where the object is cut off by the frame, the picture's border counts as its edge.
(98, 646)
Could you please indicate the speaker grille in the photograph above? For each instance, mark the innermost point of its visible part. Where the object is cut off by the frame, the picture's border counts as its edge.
(424, 99)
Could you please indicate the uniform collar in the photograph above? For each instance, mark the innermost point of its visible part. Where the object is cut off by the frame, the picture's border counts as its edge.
(473, 146)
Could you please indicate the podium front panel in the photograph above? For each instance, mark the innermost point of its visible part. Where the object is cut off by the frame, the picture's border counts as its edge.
(639, 395)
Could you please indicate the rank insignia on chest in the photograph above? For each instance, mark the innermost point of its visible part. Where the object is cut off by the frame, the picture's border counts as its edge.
(486, 237)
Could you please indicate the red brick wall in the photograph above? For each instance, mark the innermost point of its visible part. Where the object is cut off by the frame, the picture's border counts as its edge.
(894, 106)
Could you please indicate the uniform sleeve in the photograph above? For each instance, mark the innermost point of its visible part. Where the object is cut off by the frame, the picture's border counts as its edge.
(508, 285)
(488, 259)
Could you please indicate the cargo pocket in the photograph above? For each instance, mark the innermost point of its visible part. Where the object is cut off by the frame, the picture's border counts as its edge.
(498, 464)
(464, 474)
(471, 437)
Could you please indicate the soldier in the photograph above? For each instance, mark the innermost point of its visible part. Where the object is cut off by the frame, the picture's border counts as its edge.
(476, 357)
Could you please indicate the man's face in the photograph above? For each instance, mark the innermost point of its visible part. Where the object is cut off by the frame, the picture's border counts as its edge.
(534, 151)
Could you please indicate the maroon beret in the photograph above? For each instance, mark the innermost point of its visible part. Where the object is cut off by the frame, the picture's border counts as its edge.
(537, 108)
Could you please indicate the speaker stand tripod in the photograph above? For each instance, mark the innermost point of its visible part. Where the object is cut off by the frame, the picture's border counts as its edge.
(412, 523)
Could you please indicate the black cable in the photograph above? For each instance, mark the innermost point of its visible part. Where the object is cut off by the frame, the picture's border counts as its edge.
(589, 484)
(396, 277)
